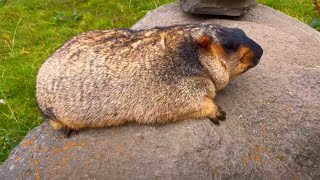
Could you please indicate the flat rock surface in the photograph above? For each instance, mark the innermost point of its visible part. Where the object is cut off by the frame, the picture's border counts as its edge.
(272, 129)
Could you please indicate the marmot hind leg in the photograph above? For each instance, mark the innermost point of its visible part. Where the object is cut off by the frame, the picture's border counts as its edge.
(57, 125)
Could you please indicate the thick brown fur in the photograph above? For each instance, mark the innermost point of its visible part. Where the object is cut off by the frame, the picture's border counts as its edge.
(154, 76)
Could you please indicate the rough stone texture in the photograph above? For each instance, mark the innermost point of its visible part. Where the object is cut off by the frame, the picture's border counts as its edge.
(272, 129)
(217, 7)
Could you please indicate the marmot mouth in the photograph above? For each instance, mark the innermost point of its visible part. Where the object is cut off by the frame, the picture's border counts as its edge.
(249, 59)
(256, 61)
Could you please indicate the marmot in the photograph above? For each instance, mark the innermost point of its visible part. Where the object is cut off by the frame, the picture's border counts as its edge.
(165, 74)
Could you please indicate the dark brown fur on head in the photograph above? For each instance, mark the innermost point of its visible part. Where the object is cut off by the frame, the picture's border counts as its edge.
(232, 45)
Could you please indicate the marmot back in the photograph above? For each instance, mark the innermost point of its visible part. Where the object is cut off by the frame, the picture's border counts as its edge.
(159, 75)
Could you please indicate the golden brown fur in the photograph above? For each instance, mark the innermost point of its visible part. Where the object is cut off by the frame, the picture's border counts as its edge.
(112, 77)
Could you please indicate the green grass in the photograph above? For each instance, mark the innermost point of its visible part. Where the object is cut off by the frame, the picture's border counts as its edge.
(31, 30)
(303, 10)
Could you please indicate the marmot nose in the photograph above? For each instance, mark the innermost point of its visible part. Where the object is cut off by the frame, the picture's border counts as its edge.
(258, 51)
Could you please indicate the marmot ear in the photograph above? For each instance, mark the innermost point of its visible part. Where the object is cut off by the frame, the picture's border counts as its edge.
(204, 41)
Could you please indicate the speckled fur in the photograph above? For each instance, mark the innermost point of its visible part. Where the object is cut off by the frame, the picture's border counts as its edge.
(112, 77)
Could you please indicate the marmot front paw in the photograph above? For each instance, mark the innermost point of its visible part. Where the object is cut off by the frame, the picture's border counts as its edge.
(220, 115)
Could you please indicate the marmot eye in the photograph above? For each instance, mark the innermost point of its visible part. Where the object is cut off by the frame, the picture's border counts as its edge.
(231, 46)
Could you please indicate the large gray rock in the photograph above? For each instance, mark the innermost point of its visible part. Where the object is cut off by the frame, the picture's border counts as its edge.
(217, 7)
(272, 129)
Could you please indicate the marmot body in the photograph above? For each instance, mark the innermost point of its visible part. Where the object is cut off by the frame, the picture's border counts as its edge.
(111, 77)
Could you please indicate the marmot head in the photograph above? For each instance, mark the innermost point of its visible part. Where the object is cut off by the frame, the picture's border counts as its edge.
(232, 47)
